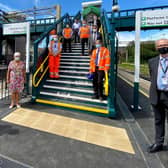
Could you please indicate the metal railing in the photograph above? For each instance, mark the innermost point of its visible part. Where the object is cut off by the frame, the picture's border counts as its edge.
(111, 42)
(4, 92)
(132, 12)
(40, 67)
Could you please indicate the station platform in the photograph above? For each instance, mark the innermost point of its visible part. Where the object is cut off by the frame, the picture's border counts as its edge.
(42, 136)
(145, 117)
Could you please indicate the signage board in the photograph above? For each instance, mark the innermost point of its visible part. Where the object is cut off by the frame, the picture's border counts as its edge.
(15, 28)
(156, 18)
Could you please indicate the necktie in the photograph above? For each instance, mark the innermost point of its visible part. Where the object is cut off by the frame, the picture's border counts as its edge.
(162, 74)
(164, 64)
(97, 56)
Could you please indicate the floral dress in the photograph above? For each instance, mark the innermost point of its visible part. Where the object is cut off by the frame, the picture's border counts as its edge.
(16, 76)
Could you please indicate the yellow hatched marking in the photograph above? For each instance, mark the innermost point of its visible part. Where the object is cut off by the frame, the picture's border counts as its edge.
(85, 131)
(79, 107)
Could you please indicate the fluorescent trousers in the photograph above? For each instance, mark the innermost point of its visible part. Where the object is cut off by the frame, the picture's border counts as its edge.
(54, 64)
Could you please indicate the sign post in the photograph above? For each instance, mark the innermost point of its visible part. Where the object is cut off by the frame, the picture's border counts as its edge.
(145, 19)
(19, 29)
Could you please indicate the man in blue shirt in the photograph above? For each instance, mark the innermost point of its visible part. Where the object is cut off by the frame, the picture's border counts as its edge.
(158, 68)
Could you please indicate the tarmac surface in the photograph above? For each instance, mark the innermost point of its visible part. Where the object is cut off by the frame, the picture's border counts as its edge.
(26, 146)
(145, 117)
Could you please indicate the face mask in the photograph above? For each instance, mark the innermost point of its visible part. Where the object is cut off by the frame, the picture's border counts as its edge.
(98, 45)
(17, 58)
(55, 39)
(84, 24)
(67, 26)
(94, 30)
(163, 50)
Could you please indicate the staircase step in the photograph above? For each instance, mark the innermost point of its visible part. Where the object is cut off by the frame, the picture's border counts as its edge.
(73, 77)
(79, 50)
(72, 97)
(77, 106)
(68, 89)
(74, 72)
(73, 56)
(75, 83)
(74, 63)
(74, 67)
(72, 53)
(75, 60)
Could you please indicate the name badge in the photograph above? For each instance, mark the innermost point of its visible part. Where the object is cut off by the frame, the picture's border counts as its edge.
(164, 81)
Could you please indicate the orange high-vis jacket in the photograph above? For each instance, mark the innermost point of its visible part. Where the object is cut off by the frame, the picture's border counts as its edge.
(51, 45)
(67, 33)
(85, 32)
(104, 60)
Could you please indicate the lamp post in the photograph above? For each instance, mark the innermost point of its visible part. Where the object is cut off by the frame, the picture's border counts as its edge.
(115, 6)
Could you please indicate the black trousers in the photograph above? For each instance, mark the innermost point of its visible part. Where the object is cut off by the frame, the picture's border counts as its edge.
(76, 35)
(67, 42)
(83, 42)
(160, 117)
(98, 82)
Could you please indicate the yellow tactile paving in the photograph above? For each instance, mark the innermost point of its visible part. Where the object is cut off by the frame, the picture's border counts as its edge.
(90, 132)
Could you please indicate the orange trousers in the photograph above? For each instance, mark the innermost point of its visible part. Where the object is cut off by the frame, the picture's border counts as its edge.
(54, 64)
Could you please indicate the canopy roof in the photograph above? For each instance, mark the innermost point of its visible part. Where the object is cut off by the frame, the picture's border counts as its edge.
(91, 9)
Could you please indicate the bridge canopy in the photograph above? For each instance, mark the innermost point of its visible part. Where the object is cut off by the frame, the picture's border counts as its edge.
(91, 9)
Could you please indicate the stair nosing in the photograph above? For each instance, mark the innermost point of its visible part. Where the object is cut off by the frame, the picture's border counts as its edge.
(73, 97)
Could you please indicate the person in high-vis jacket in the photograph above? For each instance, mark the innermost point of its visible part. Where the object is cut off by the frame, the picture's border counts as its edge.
(84, 33)
(99, 65)
(54, 54)
(67, 33)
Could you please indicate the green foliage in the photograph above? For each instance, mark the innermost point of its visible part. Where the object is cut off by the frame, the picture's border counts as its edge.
(147, 51)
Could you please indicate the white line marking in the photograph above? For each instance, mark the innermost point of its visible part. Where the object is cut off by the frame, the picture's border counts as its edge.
(79, 83)
(74, 67)
(81, 60)
(141, 91)
(72, 63)
(75, 72)
(73, 56)
(68, 88)
(73, 77)
(72, 97)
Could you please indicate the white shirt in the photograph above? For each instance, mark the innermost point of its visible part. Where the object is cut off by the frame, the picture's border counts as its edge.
(76, 26)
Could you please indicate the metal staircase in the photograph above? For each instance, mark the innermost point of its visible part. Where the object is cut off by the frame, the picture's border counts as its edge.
(73, 89)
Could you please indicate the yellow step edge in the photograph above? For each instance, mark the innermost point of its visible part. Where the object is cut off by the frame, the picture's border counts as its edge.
(96, 110)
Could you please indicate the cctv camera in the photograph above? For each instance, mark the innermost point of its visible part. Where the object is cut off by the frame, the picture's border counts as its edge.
(115, 8)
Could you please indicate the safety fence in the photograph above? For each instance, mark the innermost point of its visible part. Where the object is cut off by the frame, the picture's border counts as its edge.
(4, 91)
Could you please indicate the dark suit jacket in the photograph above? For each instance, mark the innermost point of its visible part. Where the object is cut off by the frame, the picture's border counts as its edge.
(153, 70)
(155, 95)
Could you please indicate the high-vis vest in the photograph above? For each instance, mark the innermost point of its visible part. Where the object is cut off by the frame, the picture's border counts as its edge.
(104, 59)
(84, 32)
(54, 47)
(67, 33)
(54, 59)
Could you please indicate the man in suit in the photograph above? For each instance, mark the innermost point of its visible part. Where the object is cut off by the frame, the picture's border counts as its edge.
(95, 35)
(158, 68)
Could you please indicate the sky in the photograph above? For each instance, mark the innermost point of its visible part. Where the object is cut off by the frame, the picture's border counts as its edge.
(73, 6)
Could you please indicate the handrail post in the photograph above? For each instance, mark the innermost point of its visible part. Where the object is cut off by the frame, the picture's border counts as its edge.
(112, 89)
(34, 90)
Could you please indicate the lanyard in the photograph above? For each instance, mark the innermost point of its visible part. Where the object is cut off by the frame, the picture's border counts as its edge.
(164, 71)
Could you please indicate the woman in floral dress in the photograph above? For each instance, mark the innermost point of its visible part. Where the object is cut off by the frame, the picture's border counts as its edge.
(16, 79)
